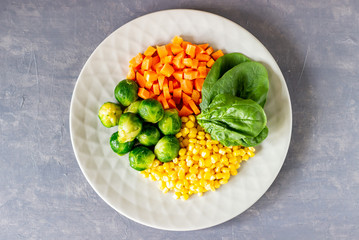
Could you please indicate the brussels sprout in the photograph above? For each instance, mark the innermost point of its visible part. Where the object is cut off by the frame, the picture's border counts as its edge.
(109, 114)
(167, 148)
(141, 158)
(133, 107)
(129, 126)
(120, 148)
(126, 92)
(151, 110)
(171, 123)
(149, 136)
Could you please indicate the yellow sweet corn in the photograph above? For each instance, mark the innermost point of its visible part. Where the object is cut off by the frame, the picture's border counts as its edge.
(202, 165)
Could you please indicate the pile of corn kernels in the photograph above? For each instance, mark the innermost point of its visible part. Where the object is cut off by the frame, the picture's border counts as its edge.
(203, 164)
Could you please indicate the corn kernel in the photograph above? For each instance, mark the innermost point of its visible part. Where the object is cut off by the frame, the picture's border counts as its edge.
(205, 153)
(208, 136)
(190, 124)
(184, 119)
(202, 142)
(192, 118)
(193, 131)
(182, 152)
(200, 137)
(245, 157)
(222, 151)
(250, 154)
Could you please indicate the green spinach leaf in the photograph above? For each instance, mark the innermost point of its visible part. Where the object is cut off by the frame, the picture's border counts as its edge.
(248, 80)
(234, 121)
(220, 67)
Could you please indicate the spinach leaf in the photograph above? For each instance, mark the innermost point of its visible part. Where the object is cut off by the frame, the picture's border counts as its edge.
(248, 80)
(220, 67)
(234, 121)
(251, 142)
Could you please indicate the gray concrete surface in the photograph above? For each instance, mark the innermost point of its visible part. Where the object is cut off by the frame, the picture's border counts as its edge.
(43, 46)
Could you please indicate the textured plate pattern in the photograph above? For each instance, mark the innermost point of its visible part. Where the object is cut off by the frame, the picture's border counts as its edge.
(125, 189)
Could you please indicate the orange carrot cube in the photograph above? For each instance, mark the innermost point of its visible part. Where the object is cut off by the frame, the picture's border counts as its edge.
(217, 54)
(162, 51)
(167, 70)
(149, 51)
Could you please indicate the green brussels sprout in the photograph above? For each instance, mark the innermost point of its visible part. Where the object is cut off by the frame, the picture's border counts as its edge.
(149, 136)
(129, 126)
(167, 148)
(109, 114)
(126, 92)
(171, 123)
(133, 107)
(120, 148)
(151, 110)
(141, 158)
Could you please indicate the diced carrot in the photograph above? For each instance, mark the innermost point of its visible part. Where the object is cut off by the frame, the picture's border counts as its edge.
(177, 95)
(178, 75)
(195, 63)
(210, 63)
(177, 40)
(186, 99)
(146, 63)
(168, 47)
(195, 96)
(155, 60)
(136, 61)
(202, 64)
(191, 50)
(175, 49)
(170, 86)
(194, 107)
(148, 85)
(190, 75)
(202, 72)
(176, 84)
(161, 80)
(149, 51)
(150, 76)
(203, 46)
(152, 95)
(185, 111)
(131, 74)
(203, 57)
(158, 67)
(162, 51)
(187, 86)
(165, 103)
(217, 54)
(160, 97)
(166, 91)
(187, 62)
(168, 59)
(198, 83)
(156, 89)
(143, 93)
(209, 50)
(171, 103)
(140, 79)
(178, 63)
(184, 44)
(167, 70)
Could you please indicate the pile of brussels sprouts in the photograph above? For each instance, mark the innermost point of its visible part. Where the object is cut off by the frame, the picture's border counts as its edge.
(145, 130)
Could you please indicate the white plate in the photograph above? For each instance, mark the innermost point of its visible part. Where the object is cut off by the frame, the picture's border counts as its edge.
(126, 190)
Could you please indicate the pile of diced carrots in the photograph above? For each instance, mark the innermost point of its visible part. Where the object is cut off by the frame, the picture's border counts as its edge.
(174, 73)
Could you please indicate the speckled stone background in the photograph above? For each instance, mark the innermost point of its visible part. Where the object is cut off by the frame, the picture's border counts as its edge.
(43, 46)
